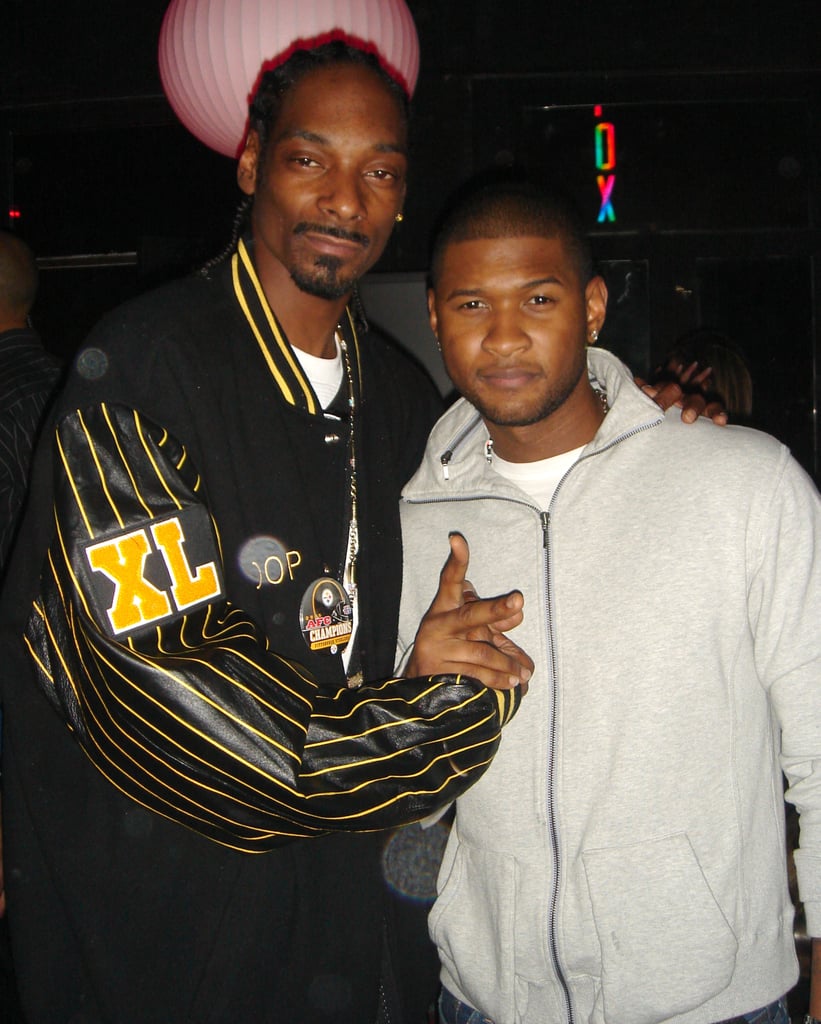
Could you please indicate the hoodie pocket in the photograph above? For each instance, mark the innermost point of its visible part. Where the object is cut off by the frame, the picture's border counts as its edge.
(666, 946)
(472, 923)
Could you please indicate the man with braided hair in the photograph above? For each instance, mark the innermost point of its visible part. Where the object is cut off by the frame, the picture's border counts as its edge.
(224, 447)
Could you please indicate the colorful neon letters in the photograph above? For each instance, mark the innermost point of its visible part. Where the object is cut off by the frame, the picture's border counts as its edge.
(605, 150)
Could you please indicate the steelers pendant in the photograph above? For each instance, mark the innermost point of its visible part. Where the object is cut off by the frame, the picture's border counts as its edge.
(326, 616)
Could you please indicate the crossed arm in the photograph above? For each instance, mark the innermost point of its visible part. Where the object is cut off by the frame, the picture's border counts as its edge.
(191, 715)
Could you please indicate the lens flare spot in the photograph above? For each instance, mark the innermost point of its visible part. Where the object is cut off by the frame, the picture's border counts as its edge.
(411, 859)
(92, 363)
(264, 561)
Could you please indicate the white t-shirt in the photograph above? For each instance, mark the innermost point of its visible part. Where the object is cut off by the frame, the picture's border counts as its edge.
(537, 479)
(325, 376)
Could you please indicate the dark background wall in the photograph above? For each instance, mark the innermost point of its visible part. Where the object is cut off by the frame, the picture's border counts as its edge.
(715, 106)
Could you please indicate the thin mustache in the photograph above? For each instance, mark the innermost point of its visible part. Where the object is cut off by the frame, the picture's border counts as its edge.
(508, 368)
(328, 229)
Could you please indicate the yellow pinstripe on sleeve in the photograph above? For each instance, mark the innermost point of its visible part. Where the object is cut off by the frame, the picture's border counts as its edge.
(188, 713)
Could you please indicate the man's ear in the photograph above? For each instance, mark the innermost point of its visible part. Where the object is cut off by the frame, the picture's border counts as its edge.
(595, 300)
(434, 323)
(248, 166)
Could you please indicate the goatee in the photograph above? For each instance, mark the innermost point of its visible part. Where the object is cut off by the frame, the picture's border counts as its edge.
(323, 281)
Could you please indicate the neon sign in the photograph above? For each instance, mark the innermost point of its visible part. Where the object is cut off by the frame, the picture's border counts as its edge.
(605, 150)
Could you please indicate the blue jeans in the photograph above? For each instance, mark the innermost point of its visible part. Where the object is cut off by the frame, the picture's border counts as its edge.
(775, 1013)
(453, 1011)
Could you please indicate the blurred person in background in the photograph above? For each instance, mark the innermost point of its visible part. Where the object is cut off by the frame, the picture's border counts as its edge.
(28, 376)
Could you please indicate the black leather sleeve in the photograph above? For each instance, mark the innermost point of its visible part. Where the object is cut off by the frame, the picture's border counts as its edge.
(173, 693)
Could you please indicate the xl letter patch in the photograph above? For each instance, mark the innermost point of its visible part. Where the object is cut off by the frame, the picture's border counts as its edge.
(152, 572)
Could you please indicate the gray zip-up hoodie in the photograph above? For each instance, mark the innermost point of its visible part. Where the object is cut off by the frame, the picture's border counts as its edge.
(622, 860)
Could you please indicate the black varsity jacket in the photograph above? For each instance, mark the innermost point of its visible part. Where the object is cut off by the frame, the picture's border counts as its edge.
(192, 481)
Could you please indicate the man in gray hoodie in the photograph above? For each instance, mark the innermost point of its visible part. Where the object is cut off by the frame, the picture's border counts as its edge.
(623, 858)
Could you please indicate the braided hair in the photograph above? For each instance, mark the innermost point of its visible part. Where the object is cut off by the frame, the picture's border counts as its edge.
(274, 85)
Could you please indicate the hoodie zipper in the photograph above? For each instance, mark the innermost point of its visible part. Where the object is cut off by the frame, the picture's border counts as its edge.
(553, 831)
(545, 521)
(552, 828)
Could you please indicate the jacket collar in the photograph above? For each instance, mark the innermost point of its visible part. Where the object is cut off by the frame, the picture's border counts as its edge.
(455, 450)
(284, 367)
(630, 409)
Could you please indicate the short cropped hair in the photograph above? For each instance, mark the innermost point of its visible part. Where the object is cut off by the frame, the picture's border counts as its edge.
(513, 209)
(18, 275)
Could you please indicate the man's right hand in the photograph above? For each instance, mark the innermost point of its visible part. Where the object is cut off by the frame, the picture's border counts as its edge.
(462, 633)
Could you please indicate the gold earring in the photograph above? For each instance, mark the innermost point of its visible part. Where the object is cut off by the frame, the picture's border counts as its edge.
(399, 217)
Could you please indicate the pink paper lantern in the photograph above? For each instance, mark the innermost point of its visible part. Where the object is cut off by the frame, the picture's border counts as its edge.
(212, 52)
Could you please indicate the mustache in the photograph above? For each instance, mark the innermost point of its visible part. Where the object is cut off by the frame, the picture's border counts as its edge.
(328, 229)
